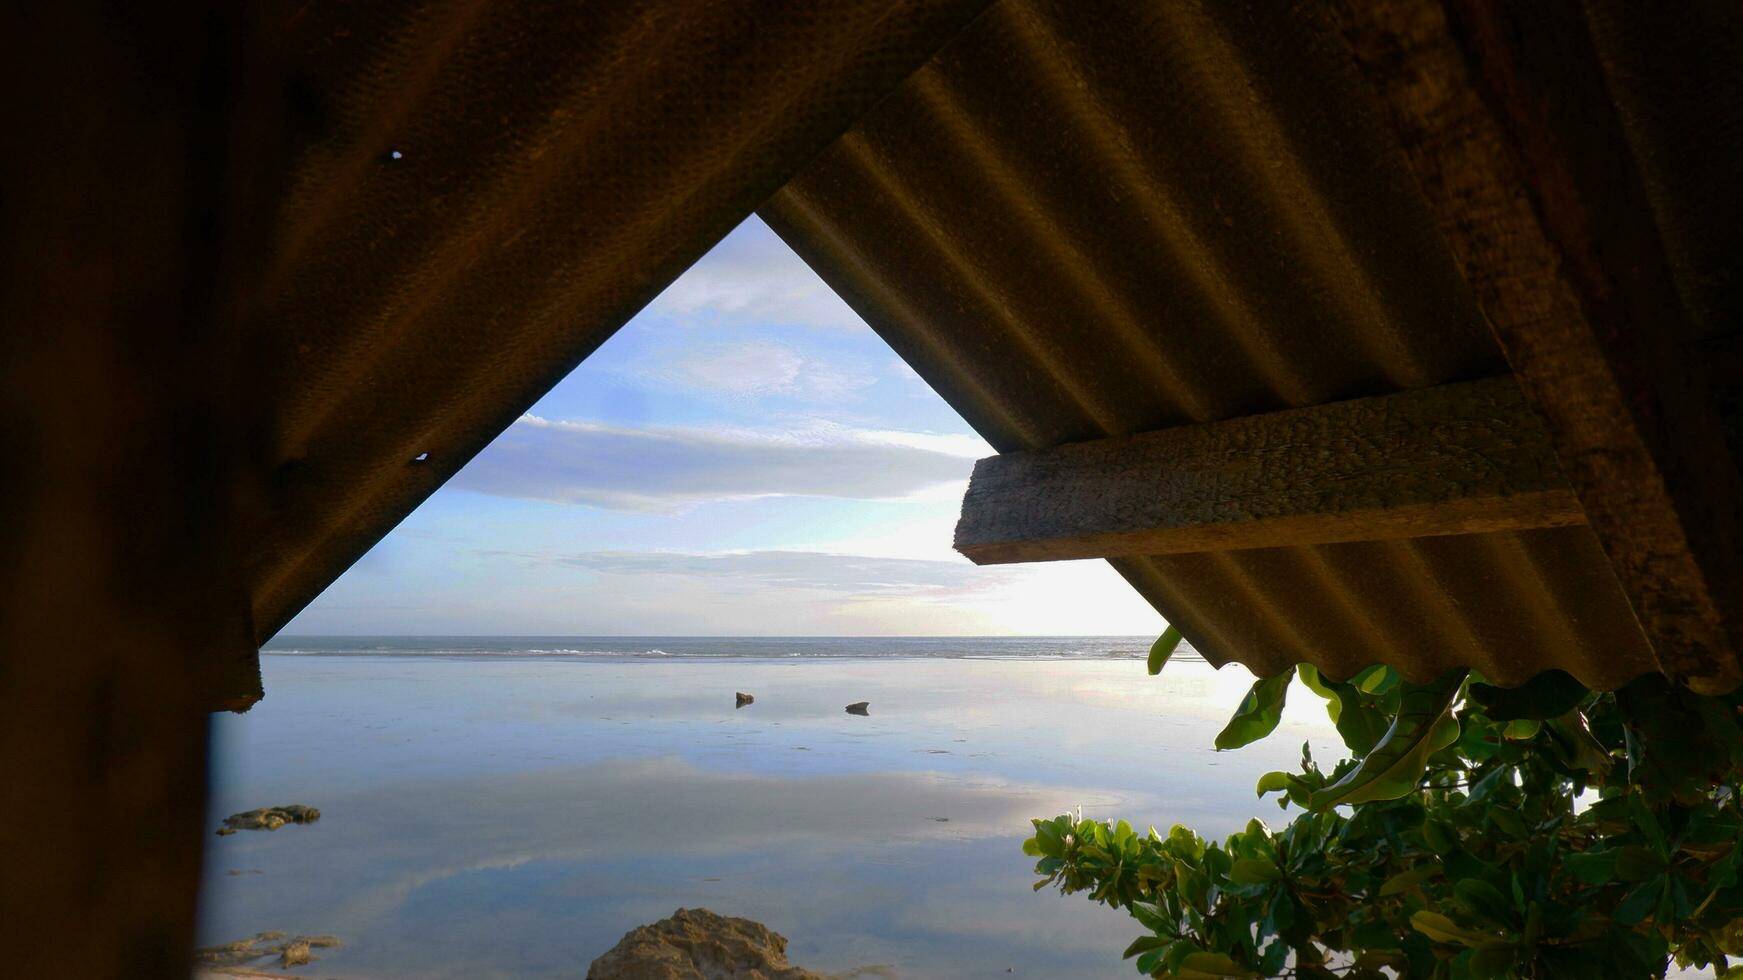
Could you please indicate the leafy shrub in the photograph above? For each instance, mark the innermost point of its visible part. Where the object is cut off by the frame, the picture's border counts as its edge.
(1545, 831)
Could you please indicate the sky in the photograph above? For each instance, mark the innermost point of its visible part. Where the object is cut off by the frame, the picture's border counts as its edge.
(745, 457)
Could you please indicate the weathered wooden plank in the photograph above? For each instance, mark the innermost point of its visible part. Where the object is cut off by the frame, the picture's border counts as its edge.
(1502, 115)
(1455, 459)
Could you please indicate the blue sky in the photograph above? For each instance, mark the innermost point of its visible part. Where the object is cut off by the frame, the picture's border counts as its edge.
(746, 457)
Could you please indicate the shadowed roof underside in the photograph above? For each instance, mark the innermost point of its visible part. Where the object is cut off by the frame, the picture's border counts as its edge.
(478, 194)
(1074, 219)
(1092, 220)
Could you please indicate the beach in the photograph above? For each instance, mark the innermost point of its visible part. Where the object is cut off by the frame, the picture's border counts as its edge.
(507, 809)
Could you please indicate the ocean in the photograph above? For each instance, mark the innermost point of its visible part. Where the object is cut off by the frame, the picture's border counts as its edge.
(731, 647)
(510, 806)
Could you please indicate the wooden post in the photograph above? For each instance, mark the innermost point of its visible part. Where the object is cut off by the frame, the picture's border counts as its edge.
(122, 436)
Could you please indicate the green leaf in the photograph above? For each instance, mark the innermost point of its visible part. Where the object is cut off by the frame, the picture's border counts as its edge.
(1439, 838)
(1272, 782)
(1360, 722)
(1481, 898)
(1495, 960)
(1424, 726)
(1592, 867)
(1193, 886)
(1310, 676)
(1143, 944)
(1048, 839)
(1162, 649)
(1200, 965)
(1123, 834)
(1298, 791)
(1511, 822)
(1253, 871)
(1177, 954)
(1351, 709)
(1377, 679)
(1638, 903)
(1576, 746)
(1533, 923)
(1404, 881)
(1373, 959)
(1444, 930)
(1548, 695)
(1666, 912)
(1275, 958)
(1151, 917)
(1522, 730)
(1636, 863)
(1648, 823)
(1259, 713)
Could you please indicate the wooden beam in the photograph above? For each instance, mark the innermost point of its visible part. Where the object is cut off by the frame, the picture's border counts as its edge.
(1456, 459)
(1502, 114)
(119, 583)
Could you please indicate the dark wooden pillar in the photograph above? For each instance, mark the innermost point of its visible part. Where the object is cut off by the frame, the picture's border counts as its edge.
(117, 461)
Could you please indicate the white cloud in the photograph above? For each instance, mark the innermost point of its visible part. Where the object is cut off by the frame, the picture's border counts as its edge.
(951, 443)
(753, 275)
(754, 368)
(817, 571)
(659, 468)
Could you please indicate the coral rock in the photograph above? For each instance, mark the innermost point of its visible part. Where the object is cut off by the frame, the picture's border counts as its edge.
(696, 944)
(269, 818)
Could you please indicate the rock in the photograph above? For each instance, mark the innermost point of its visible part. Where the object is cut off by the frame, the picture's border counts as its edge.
(295, 953)
(696, 944)
(269, 818)
(744, 699)
(859, 708)
(290, 950)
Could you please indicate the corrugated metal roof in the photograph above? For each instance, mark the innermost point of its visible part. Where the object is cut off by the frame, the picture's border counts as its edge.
(1079, 219)
(480, 193)
(1092, 219)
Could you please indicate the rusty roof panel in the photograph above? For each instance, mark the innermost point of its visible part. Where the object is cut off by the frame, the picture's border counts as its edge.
(1093, 219)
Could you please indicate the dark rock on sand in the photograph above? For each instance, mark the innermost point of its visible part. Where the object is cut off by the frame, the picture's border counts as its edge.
(696, 944)
(859, 708)
(269, 818)
(744, 699)
(290, 950)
